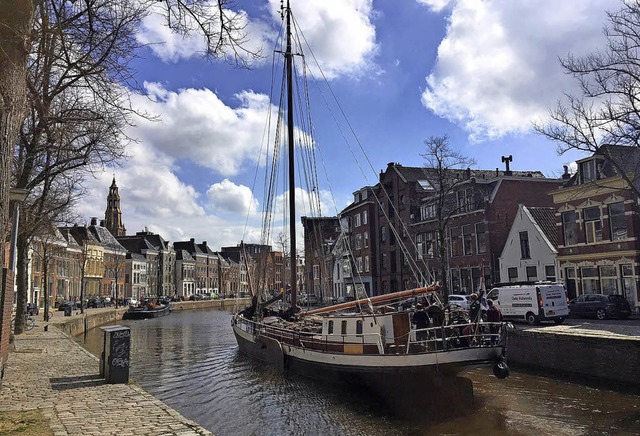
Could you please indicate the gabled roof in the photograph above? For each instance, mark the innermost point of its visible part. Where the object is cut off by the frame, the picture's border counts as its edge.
(546, 220)
(82, 234)
(103, 235)
(183, 255)
(135, 244)
(189, 246)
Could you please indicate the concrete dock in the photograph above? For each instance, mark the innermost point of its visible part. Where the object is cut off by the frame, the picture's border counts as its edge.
(49, 372)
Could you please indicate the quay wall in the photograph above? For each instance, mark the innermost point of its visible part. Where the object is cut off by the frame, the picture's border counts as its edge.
(603, 357)
(78, 324)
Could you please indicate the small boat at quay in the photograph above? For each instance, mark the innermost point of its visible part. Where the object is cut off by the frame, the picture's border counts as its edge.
(147, 312)
(372, 340)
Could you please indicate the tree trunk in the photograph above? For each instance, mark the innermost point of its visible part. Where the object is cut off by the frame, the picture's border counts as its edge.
(22, 282)
(15, 25)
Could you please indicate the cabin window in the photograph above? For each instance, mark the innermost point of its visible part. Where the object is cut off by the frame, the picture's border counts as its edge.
(569, 228)
(617, 221)
(592, 225)
(359, 327)
(330, 328)
(344, 327)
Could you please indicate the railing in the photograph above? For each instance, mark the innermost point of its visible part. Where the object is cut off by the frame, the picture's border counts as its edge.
(432, 339)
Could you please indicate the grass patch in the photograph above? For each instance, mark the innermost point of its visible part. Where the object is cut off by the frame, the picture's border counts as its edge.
(27, 423)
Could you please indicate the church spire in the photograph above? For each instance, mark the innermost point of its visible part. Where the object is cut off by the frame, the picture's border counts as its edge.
(113, 214)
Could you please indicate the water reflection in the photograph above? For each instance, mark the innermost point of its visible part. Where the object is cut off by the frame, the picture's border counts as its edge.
(190, 360)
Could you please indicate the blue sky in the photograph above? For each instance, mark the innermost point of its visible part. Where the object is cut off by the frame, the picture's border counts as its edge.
(478, 71)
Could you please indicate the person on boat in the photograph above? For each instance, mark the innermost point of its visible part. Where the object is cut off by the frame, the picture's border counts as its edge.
(475, 308)
(421, 320)
(494, 315)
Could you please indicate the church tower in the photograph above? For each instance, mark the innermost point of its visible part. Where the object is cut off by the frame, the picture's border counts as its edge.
(113, 215)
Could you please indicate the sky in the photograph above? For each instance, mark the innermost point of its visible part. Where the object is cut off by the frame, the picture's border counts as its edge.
(480, 72)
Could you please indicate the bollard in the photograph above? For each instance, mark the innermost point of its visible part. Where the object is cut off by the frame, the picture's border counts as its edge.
(114, 359)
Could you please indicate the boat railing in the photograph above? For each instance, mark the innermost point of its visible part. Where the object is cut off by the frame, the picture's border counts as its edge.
(454, 336)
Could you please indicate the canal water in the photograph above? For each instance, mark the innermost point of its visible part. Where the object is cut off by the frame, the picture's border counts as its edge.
(190, 361)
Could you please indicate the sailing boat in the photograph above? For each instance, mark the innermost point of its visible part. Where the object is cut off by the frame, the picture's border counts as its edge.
(370, 341)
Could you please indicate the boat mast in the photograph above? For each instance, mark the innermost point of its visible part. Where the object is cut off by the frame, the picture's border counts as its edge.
(288, 57)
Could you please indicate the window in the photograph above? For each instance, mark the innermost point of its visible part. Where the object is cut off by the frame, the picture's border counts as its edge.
(592, 225)
(419, 246)
(628, 281)
(359, 265)
(365, 237)
(532, 273)
(550, 273)
(357, 220)
(366, 264)
(430, 244)
(365, 216)
(513, 274)
(358, 242)
(524, 245)
(569, 228)
(456, 248)
(316, 272)
(608, 279)
(467, 239)
(455, 280)
(428, 211)
(617, 221)
(588, 171)
(481, 238)
(461, 198)
(384, 260)
(590, 282)
(383, 234)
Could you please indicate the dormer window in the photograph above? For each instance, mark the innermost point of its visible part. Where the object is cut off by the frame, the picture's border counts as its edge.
(588, 171)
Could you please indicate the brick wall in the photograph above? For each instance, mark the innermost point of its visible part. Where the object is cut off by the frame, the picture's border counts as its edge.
(6, 304)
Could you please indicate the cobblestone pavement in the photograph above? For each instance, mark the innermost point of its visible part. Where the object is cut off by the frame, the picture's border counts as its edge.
(50, 372)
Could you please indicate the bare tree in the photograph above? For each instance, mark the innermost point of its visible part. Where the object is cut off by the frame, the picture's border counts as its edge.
(606, 111)
(72, 59)
(444, 167)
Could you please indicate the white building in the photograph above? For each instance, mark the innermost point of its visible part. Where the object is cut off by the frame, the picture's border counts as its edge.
(530, 251)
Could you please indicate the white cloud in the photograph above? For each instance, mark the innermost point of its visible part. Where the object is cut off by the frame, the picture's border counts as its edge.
(340, 33)
(195, 124)
(436, 5)
(497, 68)
(226, 196)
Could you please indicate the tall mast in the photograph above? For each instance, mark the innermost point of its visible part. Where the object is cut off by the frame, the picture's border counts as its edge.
(288, 58)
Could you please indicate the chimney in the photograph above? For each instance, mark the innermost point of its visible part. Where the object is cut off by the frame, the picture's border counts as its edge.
(566, 174)
(101, 223)
(192, 240)
(204, 243)
(94, 221)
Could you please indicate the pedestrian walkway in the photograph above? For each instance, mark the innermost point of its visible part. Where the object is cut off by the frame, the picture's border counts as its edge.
(48, 371)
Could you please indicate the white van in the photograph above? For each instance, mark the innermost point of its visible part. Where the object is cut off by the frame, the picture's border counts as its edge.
(532, 303)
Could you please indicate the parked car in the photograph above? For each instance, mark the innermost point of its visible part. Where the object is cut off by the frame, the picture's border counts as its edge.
(464, 301)
(66, 304)
(600, 306)
(95, 302)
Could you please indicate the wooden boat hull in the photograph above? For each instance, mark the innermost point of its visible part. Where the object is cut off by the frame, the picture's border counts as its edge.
(144, 313)
(402, 381)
